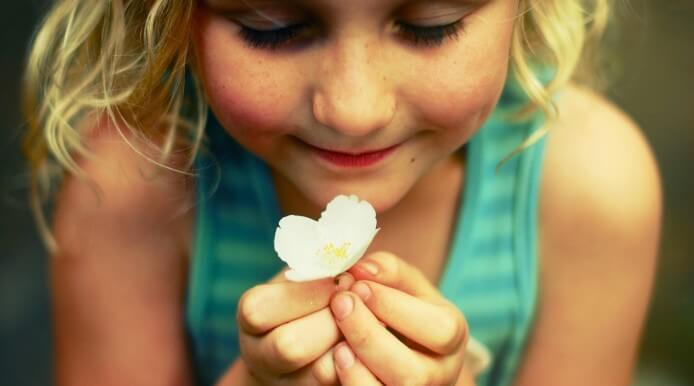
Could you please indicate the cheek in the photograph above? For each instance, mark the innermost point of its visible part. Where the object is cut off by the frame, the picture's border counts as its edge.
(461, 104)
(459, 87)
(248, 96)
(461, 95)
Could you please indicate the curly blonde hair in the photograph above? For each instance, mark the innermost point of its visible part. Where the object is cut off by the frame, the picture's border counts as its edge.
(124, 60)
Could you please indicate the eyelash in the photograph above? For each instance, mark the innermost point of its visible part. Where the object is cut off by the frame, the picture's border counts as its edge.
(430, 36)
(417, 35)
(271, 39)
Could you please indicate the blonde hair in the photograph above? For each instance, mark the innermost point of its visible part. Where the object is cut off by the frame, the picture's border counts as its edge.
(125, 60)
(554, 34)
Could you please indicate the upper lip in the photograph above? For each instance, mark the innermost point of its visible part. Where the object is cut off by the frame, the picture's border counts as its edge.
(354, 152)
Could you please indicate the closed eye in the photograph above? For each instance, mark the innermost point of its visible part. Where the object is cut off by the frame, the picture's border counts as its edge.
(430, 35)
(272, 39)
(417, 35)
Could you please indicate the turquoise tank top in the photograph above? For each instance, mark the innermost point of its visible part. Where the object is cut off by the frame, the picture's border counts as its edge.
(490, 273)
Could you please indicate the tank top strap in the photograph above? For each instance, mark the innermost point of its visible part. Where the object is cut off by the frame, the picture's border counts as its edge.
(233, 249)
(491, 273)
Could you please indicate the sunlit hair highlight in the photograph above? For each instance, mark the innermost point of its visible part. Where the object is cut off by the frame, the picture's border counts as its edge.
(556, 36)
(128, 62)
(124, 61)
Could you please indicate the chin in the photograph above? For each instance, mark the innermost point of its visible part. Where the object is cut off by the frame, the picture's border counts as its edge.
(382, 196)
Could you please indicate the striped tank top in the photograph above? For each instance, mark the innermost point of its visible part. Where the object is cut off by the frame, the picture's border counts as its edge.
(490, 273)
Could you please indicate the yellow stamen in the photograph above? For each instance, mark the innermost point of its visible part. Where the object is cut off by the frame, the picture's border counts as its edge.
(334, 255)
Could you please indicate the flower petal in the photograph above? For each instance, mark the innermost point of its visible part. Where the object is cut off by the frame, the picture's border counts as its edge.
(308, 274)
(329, 246)
(358, 253)
(348, 219)
(296, 241)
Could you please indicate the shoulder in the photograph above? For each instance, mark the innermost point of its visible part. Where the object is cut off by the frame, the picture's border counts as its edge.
(600, 202)
(122, 196)
(599, 225)
(600, 178)
(119, 271)
(599, 228)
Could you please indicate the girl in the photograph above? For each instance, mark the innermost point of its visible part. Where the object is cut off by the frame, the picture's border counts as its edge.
(541, 246)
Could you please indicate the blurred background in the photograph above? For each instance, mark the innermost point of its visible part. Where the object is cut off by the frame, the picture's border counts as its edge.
(651, 57)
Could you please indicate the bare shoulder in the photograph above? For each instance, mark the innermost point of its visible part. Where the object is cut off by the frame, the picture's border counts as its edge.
(600, 208)
(600, 178)
(124, 194)
(119, 273)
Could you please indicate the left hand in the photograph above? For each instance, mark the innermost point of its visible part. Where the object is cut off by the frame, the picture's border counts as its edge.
(424, 337)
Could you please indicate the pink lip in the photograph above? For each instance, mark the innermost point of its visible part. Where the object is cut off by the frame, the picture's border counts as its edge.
(349, 160)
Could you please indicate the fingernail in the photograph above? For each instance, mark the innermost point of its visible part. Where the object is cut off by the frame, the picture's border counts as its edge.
(342, 306)
(343, 282)
(363, 290)
(344, 357)
(369, 267)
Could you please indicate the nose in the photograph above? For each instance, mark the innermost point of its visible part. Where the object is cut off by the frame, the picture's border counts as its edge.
(353, 94)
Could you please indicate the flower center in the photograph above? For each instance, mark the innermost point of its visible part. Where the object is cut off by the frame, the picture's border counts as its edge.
(334, 255)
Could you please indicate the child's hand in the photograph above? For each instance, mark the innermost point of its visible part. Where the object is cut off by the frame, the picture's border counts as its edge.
(423, 340)
(286, 331)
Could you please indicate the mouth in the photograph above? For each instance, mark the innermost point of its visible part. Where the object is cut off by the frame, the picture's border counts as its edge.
(360, 159)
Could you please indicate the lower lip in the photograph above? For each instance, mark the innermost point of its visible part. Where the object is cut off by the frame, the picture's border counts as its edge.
(354, 160)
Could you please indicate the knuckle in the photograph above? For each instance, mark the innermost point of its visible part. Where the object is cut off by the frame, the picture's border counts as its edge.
(248, 312)
(287, 350)
(388, 259)
(452, 334)
(419, 377)
(324, 372)
(389, 262)
(361, 338)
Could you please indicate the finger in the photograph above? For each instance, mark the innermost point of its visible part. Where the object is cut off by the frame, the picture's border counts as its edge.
(344, 281)
(266, 306)
(323, 369)
(303, 377)
(390, 270)
(350, 370)
(293, 345)
(438, 327)
(341, 280)
(388, 358)
(321, 373)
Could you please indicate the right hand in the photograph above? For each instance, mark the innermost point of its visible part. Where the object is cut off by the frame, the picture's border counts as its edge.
(287, 331)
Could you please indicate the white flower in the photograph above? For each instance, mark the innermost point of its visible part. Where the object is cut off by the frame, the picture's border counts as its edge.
(327, 247)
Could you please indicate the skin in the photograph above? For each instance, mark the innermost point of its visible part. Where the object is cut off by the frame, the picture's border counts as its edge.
(121, 271)
(357, 87)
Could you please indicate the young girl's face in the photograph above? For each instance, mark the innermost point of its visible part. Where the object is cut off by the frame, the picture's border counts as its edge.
(360, 97)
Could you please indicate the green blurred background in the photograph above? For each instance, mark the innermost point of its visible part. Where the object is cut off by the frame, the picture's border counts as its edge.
(650, 53)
